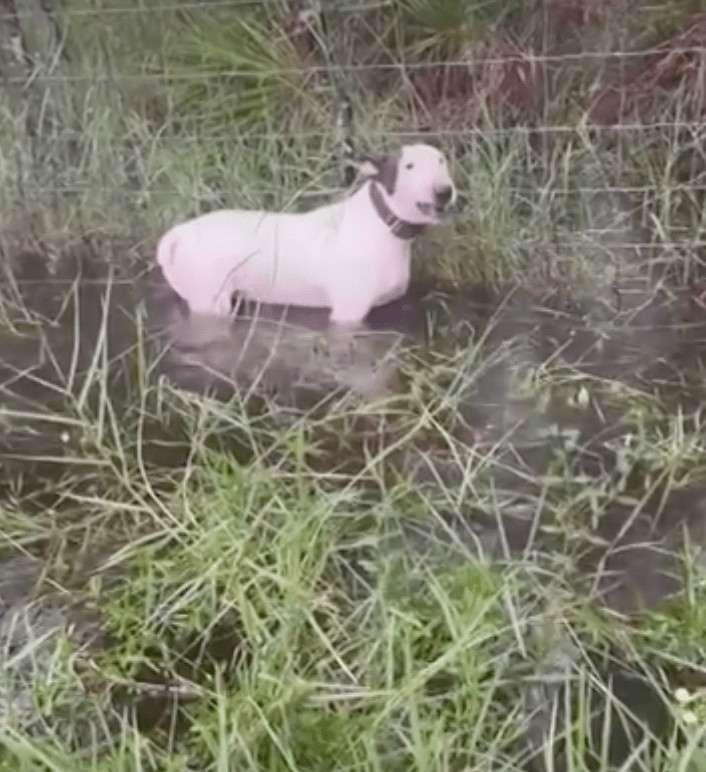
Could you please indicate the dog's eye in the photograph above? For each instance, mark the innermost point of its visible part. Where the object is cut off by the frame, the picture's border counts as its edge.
(409, 166)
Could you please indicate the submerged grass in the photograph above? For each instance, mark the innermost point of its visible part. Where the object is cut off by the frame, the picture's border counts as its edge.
(210, 586)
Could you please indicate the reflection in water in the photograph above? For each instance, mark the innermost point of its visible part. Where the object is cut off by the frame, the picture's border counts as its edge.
(288, 353)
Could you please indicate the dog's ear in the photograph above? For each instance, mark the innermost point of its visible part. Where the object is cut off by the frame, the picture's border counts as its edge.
(381, 167)
(367, 169)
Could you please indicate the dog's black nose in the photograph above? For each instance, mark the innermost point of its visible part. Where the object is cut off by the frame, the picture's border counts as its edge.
(443, 195)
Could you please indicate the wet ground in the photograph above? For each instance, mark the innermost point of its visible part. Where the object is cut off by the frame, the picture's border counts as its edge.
(74, 335)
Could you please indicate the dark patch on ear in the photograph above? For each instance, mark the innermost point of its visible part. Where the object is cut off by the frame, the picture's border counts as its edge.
(387, 165)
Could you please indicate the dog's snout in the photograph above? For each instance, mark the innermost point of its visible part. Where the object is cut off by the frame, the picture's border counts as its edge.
(443, 195)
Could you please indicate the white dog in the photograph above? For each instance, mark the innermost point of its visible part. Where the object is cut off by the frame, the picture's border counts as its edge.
(349, 256)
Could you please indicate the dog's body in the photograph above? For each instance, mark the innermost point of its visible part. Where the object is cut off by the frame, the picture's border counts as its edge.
(349, 256)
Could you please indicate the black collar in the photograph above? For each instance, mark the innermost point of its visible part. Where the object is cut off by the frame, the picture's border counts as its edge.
(400, 228)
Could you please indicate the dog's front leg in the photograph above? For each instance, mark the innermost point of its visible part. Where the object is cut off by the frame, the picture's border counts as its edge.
(346, 322)
(349, 312)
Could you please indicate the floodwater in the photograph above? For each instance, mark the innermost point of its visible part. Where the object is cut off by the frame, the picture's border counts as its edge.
(635, 332)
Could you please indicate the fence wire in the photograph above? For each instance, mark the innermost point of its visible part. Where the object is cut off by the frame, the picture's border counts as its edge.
(328, 69)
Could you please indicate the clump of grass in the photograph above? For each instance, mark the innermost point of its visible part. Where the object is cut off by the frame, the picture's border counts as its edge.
(245, 73)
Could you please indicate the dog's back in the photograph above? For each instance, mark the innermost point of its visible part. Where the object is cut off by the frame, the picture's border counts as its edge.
(268, 257)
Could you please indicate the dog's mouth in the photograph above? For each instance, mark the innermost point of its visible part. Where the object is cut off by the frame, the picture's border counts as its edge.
(436, 211)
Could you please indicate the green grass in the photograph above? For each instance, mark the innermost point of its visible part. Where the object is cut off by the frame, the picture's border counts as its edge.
(293, 590)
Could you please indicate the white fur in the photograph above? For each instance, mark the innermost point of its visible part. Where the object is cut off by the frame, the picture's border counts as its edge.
(341, 256)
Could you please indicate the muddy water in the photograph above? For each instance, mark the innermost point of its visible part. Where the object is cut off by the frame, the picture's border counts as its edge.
(635, 333)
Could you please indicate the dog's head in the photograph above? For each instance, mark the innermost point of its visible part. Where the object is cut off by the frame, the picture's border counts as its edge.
(416, 182)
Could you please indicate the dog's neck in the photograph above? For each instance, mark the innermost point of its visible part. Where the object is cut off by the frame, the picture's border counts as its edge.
(400, 228)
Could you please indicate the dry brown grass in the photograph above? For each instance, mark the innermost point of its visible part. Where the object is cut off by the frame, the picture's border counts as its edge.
(498, 80)
(297, 27)
(560, 17)
(670, 80)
